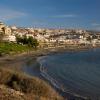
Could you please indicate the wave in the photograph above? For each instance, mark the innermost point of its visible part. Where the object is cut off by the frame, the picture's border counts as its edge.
(55, 83)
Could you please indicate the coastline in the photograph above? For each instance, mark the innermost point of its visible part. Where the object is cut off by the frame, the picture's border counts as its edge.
(16, 62)
(65, 93)
(21, 58)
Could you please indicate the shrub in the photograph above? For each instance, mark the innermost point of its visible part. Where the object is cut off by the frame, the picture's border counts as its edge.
(30, 41)
(26, 84)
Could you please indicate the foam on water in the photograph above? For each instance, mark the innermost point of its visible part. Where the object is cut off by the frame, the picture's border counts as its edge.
(74, 72)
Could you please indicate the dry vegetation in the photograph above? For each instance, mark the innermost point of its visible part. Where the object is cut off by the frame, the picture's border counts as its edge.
(24, 87)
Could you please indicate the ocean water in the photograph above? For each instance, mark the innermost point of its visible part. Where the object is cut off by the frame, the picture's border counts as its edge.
(74, 72)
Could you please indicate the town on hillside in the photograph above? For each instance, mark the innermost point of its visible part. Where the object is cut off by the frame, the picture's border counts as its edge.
(50, 37)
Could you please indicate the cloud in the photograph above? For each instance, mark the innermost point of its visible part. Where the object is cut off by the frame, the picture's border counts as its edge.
(65, 16)
(8, 14)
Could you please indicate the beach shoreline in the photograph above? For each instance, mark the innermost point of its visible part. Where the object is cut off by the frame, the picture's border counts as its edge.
(65, 93)
(16, 63)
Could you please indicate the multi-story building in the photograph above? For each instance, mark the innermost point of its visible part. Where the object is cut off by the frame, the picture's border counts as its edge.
(7, 30)
(9, 38)
(2, 25)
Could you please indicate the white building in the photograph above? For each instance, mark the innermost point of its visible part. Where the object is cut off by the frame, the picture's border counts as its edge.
(14, 27)
(7, 30)
(40, 38)
(29, 35)
(10, 38)
(2, 25)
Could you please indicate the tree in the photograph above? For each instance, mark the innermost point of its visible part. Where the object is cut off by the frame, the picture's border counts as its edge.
(18, 39)
(94, 37)
(25, 40)
(22, 40)
(89, 38)
(32, 42)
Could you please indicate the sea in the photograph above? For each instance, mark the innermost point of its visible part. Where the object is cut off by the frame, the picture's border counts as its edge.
(75, 72)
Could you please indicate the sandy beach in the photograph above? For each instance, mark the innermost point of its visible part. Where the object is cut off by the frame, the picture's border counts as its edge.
(27, 63)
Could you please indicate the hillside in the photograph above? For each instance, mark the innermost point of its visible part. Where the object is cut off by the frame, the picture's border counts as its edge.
(16, 86)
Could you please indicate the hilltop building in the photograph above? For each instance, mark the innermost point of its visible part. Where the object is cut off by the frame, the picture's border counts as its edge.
(7, 33)
(7, 30)
(2, 25)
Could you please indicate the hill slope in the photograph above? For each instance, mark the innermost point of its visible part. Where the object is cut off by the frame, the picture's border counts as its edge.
(16, 86)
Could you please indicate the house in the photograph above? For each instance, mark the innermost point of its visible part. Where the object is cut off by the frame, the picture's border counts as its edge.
(20, 32)
(2, 25)
(40, 38)
(7, 30)
(9, 38)
(13, 27)
(29, 35)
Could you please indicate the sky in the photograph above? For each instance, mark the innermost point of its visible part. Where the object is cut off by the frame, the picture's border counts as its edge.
(80, 14)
